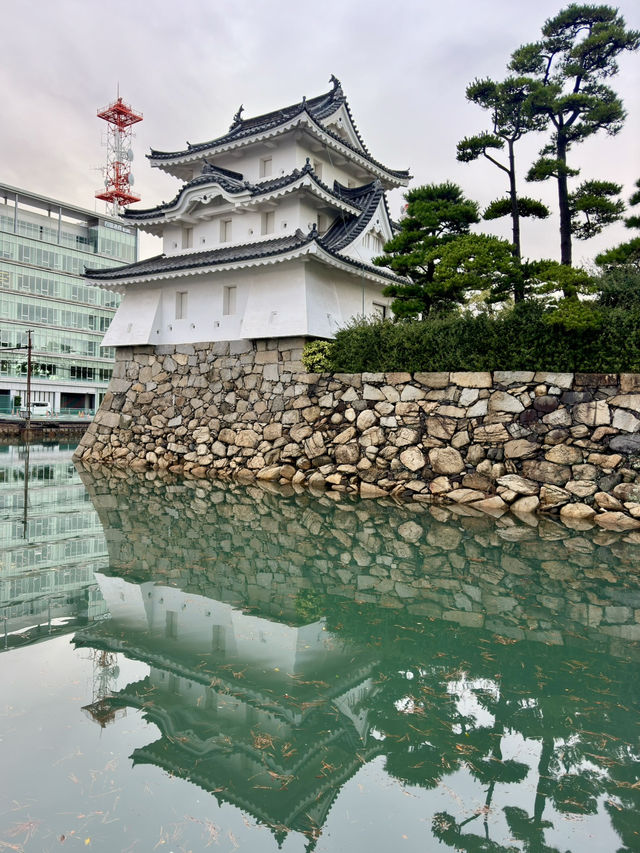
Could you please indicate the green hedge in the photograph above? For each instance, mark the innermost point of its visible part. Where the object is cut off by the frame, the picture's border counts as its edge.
(523, 338)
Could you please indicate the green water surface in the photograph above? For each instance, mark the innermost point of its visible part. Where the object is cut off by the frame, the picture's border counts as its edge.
(188, 665)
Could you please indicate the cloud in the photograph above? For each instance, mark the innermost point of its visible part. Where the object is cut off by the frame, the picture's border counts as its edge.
(188, 66)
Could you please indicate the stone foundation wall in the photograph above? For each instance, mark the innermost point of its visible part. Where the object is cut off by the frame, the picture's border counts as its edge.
(557, 442)
(264, 551)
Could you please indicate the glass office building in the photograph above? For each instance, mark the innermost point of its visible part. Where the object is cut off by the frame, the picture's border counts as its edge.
(44, 248)
(51, 542)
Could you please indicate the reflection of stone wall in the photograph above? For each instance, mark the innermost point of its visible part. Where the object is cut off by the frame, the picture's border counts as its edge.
(534, 441)
(280, 552)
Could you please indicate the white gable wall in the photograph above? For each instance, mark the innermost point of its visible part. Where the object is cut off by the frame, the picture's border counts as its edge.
(335, 297)
(364, 249)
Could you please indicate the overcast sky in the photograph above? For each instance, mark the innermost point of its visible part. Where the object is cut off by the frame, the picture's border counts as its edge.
(188, 65)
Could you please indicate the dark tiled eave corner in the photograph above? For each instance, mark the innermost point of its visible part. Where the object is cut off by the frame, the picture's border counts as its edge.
(316, 108)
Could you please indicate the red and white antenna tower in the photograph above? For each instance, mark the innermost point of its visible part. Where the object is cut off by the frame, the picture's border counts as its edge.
(118, 178)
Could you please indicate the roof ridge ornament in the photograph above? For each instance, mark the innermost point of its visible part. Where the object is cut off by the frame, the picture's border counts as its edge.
(313, 234)
(337, 87)
(237, 118)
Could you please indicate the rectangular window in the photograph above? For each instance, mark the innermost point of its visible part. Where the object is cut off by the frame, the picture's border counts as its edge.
(187, 238)
(181, 305)
(269, 222)
(218, 639)
(229, 300)
(322, 223)
(171, 625)
(379, 310)
(266, 164)
(317, 168)
(225, 230)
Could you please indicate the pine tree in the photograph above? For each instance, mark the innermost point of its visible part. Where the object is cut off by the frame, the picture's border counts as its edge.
(568, 68)
(511, 117)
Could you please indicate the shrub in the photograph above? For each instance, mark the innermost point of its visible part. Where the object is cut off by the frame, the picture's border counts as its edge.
(525, 337)
(316, 355)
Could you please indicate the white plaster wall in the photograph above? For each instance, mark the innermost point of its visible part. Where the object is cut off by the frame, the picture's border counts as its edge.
(252, 639)
(135, 318)
(287, 299)
(275, 305)
(247, 160)
(335, 297)
(379, 223)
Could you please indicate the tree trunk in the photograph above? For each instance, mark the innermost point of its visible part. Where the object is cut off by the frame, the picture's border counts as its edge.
(563, 202)
(513, 195)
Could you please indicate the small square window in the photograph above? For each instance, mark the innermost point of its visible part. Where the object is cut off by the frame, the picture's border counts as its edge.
(187, 238)
(379, 310)
(317, 168)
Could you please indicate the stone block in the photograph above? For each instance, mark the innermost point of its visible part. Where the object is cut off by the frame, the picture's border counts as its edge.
(471, 379)
(526, 504)
(629, 382)
(594, 380)
(616, 521)
(560, 380)
(501, 401)
(432, 380)
(512, 377)
(413, 459)
(490, 434)
(625, 443)
(520, 448)
(410, 393)
(397, 378)
(445, 460)
(546, 472)
(564, 454)
(519, 485)
(593, 414)
(625, 421)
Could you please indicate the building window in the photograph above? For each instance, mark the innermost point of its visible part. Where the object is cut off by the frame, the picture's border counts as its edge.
(218, 639)
(225, 230)
(268, 222)
(379, 310)
(171, 625)
(373, 242)
(323, 223)
(181, 305)
(266, 164)
(229, 300)
(187, 238)
(317, 168)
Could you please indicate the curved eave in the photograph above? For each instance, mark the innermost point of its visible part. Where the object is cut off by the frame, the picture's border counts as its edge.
(308, 250)
(246, 199)
(391, 178)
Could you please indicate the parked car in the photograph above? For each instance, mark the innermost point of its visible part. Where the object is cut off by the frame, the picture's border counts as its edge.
(41, 407)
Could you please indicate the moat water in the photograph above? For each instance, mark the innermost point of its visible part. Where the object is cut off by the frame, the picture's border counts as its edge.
(188, 665)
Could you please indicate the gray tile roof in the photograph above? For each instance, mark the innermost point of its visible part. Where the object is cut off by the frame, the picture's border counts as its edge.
(192, 260)
(317, 108)
(233, 183)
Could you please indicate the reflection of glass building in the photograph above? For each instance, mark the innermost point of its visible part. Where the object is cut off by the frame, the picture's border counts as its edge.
(51, 541)
(44, 247)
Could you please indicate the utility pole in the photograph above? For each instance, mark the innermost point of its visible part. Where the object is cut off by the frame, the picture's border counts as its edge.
(28, 424)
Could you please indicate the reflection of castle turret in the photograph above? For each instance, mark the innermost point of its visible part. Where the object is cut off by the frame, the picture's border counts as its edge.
(264, 715)
(50, 542)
